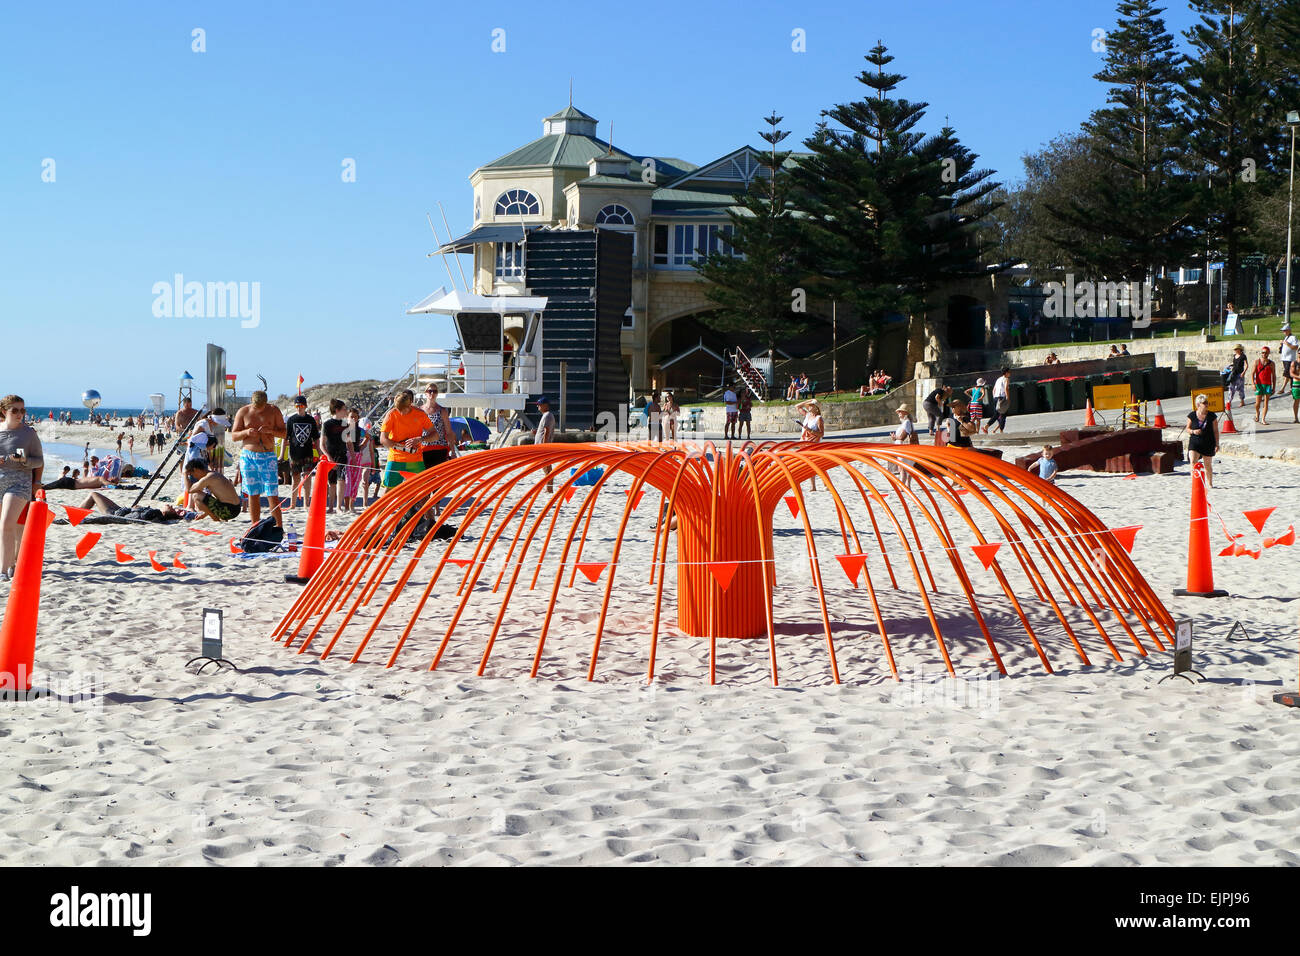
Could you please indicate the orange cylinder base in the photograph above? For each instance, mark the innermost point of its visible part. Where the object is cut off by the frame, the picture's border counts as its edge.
(704, 608)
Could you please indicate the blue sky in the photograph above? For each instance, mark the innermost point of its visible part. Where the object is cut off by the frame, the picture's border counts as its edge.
(226, 165)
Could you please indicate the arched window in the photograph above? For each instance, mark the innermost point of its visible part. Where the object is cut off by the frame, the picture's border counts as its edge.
(615, 215)
(518, 202)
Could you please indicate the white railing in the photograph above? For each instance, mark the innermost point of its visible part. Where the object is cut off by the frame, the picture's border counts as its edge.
(457, 371)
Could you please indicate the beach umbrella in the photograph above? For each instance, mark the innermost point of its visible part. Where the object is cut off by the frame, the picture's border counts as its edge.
(477, 430)
(949, 527)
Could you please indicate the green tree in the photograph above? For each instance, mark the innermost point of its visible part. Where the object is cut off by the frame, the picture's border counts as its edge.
(891, 211)
(1136, 212)
(757, 282)
(1031, 227)
(1231, 118)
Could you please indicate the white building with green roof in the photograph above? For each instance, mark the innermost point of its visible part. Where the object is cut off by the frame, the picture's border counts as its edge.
(676, 211)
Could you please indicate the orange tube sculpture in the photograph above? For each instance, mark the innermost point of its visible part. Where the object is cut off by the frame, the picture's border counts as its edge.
(899, 509)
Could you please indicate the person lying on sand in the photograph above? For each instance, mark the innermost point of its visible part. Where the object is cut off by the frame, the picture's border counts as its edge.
(104, 505)
(213, 495)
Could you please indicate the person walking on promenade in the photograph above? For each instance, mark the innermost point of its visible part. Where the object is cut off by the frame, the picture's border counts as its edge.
(1237, 377)
(1262, 377)
(1203, 426)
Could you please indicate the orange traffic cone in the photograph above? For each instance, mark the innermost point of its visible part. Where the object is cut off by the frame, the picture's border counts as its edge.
(1160, 417)
(1228, 427)
(18, 633)
(1200, 565)
(1090, 421)
(313, 539)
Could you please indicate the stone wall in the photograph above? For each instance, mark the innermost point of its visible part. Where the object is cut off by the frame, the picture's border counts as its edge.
(778, 419)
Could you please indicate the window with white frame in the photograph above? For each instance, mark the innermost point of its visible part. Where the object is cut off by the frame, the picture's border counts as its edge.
(510, 260)
(615, 215)
(517, 202)
(682, 244)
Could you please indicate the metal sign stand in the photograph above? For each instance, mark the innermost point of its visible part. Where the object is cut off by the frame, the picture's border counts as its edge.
(211, 646)
(1183, 655)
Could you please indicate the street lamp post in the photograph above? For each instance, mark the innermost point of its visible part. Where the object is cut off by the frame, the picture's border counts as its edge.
(1292, 120)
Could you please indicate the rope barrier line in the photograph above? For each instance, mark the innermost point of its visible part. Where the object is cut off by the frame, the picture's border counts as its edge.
(1080, 536)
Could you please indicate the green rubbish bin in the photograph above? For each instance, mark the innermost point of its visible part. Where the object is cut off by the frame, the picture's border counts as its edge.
(1078, 388)
(1054, 393)
(1164, 382)
(1139, 384)
(1030, 398)
(1028, 403)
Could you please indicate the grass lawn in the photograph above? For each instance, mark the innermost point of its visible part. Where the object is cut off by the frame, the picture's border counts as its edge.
(1263, 327)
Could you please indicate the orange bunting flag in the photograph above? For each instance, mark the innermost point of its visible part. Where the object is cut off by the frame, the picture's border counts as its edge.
(723, 572)
(178, 563)
(205, 533)
(1125, 536)
(792, 503)
(76, 515)
(459, 562)
(122, 556)
(986, 553)
(1229, 551)
(852, 565)
(1286, 539)
(153, 562)
(1257, 517)
(1256, 553)
(49, 516)
(1239, 549)
(568, 493)
(591, 569)
(234, 548)
(636, 502)
(85, 544)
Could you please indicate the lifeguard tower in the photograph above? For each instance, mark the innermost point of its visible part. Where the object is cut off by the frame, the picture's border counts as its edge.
(499, 363)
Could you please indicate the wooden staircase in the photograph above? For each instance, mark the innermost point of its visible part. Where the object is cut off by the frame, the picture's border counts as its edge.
(751, 377)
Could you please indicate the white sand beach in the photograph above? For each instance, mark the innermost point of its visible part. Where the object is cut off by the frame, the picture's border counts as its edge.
(297, 760)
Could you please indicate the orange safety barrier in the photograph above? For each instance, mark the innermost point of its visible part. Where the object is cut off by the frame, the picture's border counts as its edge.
(1200, 564)
(313, 541)
(18, 631)
(510, 531)
(1160, 421)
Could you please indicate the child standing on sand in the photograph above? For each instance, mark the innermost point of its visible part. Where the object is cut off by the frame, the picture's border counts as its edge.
(1046, 467)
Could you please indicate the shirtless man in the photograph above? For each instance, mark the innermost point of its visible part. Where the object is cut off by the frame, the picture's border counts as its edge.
(184, 415)
(256, 427)
(212, 495)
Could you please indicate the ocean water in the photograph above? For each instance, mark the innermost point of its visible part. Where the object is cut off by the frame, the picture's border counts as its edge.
(82, 414)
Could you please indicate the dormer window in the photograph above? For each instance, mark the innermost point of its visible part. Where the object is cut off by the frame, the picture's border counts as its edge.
(615, 215)
(518, 202)
(478, 208)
